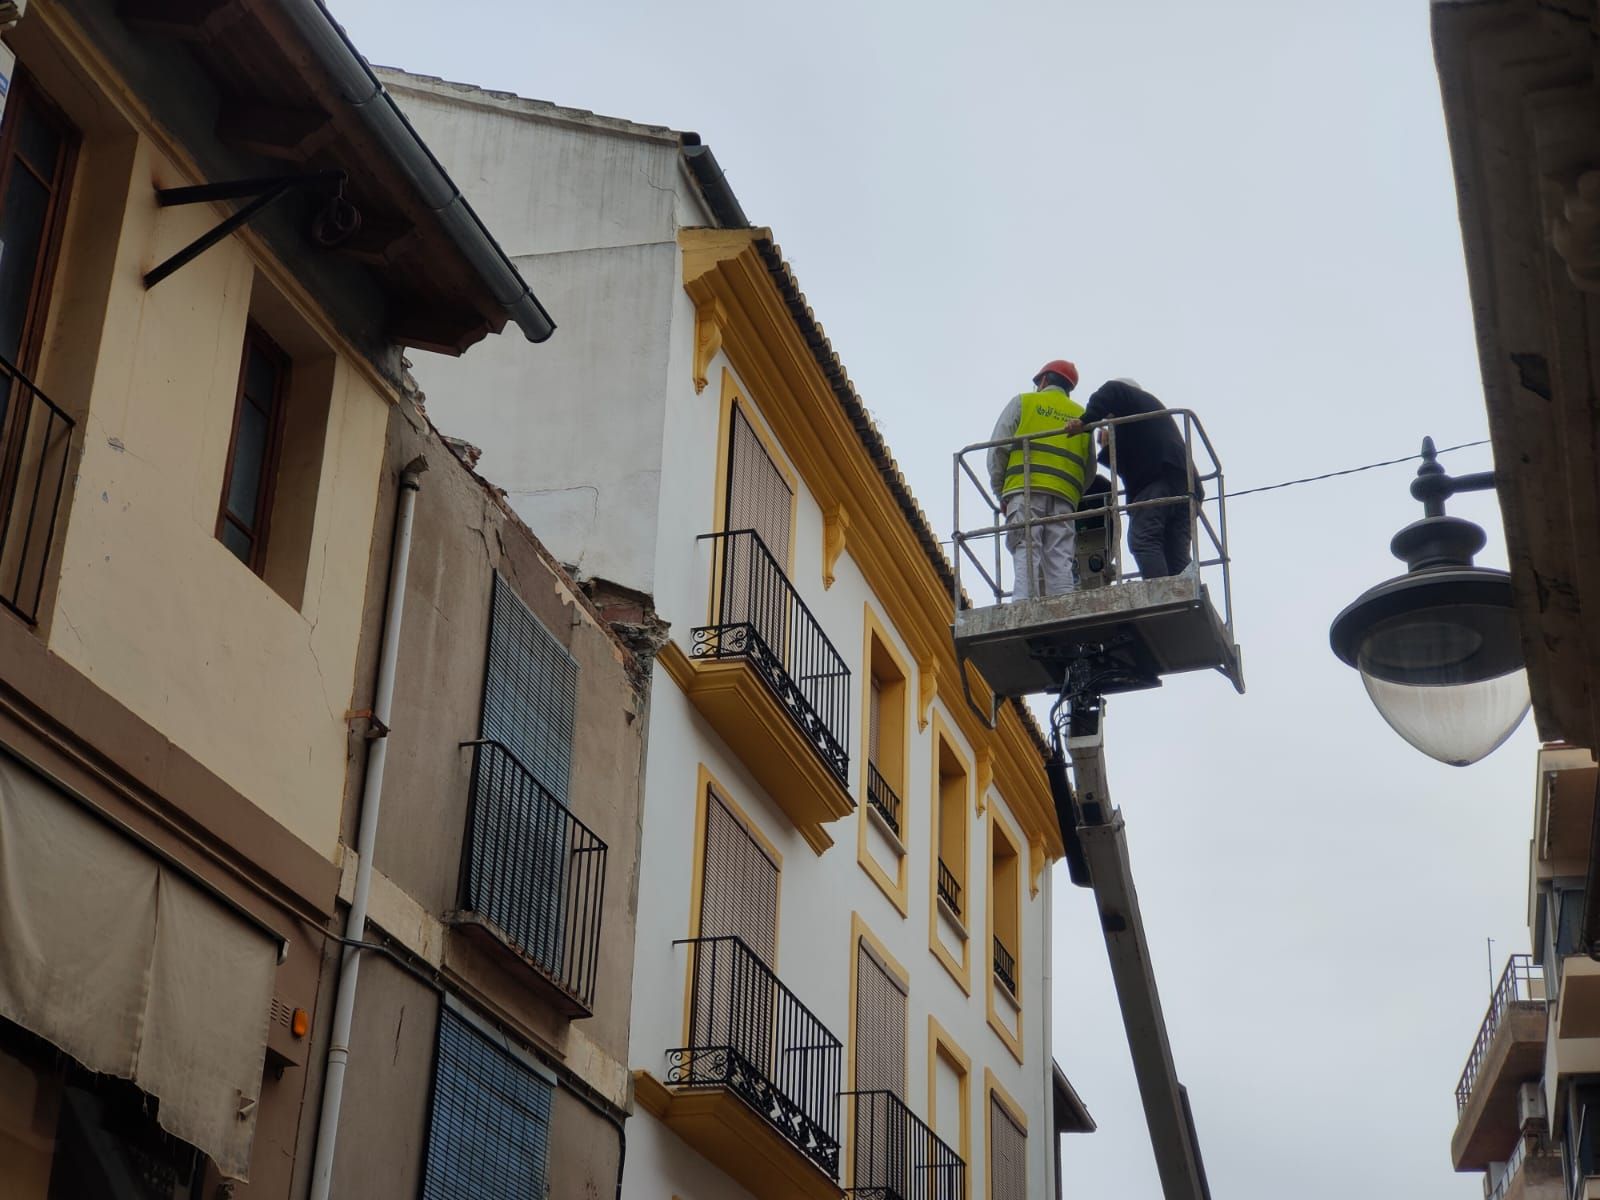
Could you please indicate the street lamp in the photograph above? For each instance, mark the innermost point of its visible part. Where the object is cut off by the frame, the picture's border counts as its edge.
(1438, 647)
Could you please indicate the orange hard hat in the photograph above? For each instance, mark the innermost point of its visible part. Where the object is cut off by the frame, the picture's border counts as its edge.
(1061, 367)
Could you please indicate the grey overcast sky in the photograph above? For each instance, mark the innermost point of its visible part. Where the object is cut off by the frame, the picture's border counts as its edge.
(1247, 205)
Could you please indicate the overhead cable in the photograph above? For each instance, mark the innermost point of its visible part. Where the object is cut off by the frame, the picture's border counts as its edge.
(1388, 462)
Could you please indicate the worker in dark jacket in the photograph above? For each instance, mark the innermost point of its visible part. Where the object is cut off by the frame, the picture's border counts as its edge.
(1154, 464)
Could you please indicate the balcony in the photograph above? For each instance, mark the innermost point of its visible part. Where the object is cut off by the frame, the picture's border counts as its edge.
(1534, 1172)
(949, 890)
(772, 685)
(35, 437)
(1509, 1051)
(532, 880)
(756, 1090)
(1564, 809)
(883, 800)
(1005, 967)
(897, 1157)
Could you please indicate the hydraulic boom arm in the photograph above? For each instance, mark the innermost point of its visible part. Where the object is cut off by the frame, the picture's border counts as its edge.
(1098, 855)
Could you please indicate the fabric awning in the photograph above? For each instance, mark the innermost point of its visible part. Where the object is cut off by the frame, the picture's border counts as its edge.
(131, 968)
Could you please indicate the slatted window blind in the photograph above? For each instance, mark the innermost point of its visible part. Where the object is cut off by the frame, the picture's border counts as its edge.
(530, 691)
(489, 1126)
(758, 495)
(738, 898)
(880, 1026)
(1008, 1157)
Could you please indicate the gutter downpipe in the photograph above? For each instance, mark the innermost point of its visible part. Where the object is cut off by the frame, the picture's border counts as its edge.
(364, 92)
(344, 1006)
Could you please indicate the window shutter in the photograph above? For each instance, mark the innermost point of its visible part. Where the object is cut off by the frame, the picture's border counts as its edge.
(739, 897)
(758, 495)
(1008, 1162)
(530, 691)
(489, 1125)
(880, 1027)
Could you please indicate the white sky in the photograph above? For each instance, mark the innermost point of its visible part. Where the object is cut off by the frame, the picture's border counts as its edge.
(1247, 206)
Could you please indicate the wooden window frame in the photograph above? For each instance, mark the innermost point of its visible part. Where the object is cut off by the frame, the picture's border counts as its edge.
(26, 90)
(266, 490)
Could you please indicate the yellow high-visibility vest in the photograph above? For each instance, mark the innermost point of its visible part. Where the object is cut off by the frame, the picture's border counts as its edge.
(1059, 464)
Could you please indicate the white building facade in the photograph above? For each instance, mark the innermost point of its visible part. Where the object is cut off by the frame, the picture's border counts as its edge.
(843, 945)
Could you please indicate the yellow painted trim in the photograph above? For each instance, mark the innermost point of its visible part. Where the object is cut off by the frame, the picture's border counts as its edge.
(705, 782)
(984, 758)
(860, 932)
(927, 688)
(835, 530)
(992, 1091)
(677, 665)
(1036, 864)
(897, 889)
(960, 971)
(708, 322)
(940, 1041)
(763, 343)
(1012, 1041)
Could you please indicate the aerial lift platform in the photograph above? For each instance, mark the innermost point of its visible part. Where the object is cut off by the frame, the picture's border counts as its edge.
(1116, 633)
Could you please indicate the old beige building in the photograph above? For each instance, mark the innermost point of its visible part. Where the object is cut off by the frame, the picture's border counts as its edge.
(246, 594)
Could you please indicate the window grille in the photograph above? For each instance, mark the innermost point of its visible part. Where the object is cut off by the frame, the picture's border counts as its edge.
(530, 691)
(489, 1123)
(1008, 1160)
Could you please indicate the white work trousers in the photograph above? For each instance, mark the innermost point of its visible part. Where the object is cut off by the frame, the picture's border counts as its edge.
(1053, 548)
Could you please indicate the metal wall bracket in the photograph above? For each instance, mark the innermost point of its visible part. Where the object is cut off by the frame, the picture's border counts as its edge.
(262, 191)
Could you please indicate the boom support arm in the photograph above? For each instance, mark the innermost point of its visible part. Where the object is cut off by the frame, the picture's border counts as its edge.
(1101, 834)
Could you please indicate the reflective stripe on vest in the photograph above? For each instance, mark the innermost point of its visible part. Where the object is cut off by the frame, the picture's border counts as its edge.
(1057, 464)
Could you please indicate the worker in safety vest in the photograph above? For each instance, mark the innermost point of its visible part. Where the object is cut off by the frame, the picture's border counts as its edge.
(1042, 483)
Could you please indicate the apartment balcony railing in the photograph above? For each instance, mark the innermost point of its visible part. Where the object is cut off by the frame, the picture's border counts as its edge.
(897, 1157)
(949, 889)
(1521, 981)
(752, 1036)
(35, 436)
(1005, 966)
(760, 618)
(883, 799)
(534, 873)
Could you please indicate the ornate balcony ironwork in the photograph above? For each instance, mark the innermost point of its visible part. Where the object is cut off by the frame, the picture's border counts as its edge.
(897, 1157)
(752, 1035)
(1005, 966)
(1516, 985)
(761, 619)
(35, 438)
(534, 872)
(949, 889)
(882, 797)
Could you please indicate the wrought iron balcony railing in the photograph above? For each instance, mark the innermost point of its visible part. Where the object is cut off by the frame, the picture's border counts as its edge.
(949, 889)
(761, 619)
(750, 1034)
(1516, 986)
(533, 871)
(882, 797)
(1005, 966)
(897, 1157)
(35, 437)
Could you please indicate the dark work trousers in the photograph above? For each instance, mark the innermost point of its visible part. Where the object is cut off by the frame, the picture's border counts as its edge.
(1159, 536)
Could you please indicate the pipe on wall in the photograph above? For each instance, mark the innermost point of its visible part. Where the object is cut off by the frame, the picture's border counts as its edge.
(366, 835)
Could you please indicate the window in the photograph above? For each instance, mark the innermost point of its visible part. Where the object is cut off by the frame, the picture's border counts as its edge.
(949, 1072)
(247, 485)
(519, 867)
(1008, 1159)
(1004, 884)
(880, 1049)
(36, 153)
(884, 820)
(952, 841)
(759, 497)
(489, 1119)
(739, 890)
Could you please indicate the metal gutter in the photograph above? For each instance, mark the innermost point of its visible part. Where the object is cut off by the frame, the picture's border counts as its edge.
(713, 184)
(360, 88)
